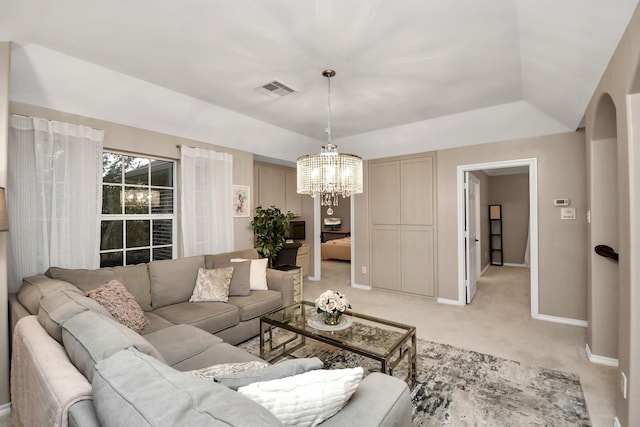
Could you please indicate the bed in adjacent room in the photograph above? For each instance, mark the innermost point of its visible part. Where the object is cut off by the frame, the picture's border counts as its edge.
(337, 249)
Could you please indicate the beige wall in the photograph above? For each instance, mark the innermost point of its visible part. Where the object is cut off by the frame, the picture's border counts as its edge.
(360, 234)
(5, 57)
(562, 255)
(621, 78)
(139, 141)
(512, 192)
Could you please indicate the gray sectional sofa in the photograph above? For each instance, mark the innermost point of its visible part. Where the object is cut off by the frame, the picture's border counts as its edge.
(73, 364)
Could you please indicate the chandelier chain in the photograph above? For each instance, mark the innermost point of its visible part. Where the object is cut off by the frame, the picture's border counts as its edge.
(329, 109)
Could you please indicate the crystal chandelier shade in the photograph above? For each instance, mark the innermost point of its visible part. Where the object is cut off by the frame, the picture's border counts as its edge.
(329, 174)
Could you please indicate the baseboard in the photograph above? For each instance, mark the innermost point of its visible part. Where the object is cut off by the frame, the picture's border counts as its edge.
(564, 320)
(449, 301)
(509, 264)
(616, 422)
(359, 286)
(5, 409)
(602, 360)
(484, 270)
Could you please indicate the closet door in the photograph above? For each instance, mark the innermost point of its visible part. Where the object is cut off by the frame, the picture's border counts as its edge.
(384, 179)
(386, 270)
(293, 200)
(418, 260)
(416, 181)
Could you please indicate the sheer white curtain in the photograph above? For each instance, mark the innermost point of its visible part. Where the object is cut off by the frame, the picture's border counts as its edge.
(206, 188)
(54, 196)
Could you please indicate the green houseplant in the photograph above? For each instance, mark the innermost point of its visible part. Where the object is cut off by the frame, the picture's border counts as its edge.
(270, 226)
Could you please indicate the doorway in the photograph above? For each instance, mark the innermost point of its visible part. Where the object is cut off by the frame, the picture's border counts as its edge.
(344, 213)
(525, 165)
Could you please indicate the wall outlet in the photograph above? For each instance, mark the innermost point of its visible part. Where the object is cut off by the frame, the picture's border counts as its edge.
(364, 269)
(623, 385)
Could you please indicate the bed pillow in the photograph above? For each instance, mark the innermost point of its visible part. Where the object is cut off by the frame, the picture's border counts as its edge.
(212, 285)
(258, 273)
(306, 399)
(121, 304)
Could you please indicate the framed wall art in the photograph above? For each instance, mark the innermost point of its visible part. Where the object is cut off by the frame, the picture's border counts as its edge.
(241, 201)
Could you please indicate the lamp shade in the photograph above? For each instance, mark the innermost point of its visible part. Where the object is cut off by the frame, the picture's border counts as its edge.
(329, 174)
(4, 219)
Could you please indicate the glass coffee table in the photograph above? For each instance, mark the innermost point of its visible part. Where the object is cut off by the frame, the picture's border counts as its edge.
(387, 342)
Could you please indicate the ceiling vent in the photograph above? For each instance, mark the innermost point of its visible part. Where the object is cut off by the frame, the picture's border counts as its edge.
(275, 89)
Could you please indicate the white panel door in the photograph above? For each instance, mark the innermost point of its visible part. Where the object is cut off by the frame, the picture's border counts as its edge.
(472, 199)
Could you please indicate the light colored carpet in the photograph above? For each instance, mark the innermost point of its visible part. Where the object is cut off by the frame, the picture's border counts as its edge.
(464, 388)
(498, 323)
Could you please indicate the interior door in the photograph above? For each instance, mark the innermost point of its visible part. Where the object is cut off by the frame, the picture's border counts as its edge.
(472, 201)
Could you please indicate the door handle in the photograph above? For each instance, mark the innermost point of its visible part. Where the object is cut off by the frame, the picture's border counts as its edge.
(607, 252)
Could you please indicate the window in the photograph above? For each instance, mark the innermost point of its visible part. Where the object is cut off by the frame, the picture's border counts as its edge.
(138, 219)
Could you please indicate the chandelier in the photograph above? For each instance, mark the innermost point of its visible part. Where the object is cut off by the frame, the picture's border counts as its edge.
(329, 174)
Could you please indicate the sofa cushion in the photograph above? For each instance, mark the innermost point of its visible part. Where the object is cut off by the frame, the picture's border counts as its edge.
(136, 279)
(58, 307)
(131, 388)
(256, 304)
(180, 342)
(212, 285)
(306, 399)
(156, 323)
(35, 287)
(173, 280)
(240, 284)
(283, 369)
(82, 278)
(90, 337)
(216, 354)
(120, 304)
(210, 316)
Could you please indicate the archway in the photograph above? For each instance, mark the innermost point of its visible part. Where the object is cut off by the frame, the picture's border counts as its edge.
(602, 332)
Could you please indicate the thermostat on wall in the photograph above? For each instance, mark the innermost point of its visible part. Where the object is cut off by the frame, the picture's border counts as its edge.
(560, 202)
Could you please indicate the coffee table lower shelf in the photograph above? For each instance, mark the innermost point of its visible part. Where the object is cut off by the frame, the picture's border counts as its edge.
(403, 348)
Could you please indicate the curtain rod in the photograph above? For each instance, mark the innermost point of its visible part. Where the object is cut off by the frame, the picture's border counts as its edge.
(51, 120)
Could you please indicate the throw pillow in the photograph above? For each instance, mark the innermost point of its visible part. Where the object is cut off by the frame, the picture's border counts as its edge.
(283, 369)
(212, 285)
(258, 273)
(306, 399)
(120, 304)
(211, 372)
(240, 281)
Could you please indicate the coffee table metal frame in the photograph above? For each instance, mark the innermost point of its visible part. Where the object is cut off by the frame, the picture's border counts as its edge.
(294, 319)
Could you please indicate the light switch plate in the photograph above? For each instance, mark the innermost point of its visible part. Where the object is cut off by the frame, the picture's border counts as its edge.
(568, 213)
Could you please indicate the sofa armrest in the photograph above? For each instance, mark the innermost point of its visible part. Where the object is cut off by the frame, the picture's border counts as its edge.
(380, 400)
(281, 281)
(16, 312)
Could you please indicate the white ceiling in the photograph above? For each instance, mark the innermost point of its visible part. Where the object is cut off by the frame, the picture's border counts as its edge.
(398, 61)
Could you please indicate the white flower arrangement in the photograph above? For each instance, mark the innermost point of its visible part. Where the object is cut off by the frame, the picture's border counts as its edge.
(331, 302)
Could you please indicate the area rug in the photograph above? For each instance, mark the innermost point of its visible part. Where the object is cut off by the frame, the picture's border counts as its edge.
(457, 387)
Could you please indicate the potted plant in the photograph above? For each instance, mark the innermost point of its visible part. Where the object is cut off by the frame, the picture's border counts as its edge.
(270, 226)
